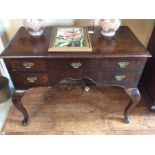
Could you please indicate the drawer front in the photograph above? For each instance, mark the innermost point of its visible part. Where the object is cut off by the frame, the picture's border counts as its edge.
(28, 65)
(75, 69)
(75, 64)
(27, 80)
(118, 78)
(123, 64)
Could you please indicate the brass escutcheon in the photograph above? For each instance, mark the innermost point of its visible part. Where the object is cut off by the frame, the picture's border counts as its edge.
(119, 77)
(32, 79)
(76, 65)
(28, 64)
(123, 64)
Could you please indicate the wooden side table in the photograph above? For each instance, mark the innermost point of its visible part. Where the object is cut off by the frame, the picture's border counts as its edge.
(116, 61)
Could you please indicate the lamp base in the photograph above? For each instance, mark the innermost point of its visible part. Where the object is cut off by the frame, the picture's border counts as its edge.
(107, 34)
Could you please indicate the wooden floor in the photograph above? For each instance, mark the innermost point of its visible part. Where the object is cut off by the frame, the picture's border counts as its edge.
(99, 111)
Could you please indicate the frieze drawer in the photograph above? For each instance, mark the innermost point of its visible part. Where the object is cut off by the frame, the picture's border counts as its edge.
(123, 64)
(28, 65)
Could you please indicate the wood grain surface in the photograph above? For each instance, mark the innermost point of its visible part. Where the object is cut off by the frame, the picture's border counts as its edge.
(99, 112)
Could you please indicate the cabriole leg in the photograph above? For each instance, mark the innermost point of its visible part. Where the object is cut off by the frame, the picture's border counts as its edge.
(18, 104)
(135, 98)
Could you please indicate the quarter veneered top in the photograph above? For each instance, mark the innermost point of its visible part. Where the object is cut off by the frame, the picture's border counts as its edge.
(123, 44)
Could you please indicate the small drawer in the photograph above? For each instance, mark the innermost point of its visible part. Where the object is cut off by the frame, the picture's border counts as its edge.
(122, 64)
(120, 77)
(28, 65)
(27, 80)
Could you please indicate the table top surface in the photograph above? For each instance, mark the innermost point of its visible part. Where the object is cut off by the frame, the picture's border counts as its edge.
(123, 44)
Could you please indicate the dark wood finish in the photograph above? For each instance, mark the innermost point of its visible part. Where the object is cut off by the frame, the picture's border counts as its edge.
(16, 98)
(124, 44)
(36, 65)
(116, 61)
(135, 98)
(117, 64)
(22, 80)
(148, 76)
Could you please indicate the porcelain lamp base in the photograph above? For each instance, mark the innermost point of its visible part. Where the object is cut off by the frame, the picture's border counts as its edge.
(39, 33)
(107, 34)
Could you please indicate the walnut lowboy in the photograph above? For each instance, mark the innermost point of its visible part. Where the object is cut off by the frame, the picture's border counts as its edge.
(116, 61)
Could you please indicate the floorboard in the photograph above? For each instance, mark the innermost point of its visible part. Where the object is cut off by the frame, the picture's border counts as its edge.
(97, 112)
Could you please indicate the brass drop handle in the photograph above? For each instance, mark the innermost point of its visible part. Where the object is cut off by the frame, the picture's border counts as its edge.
(28, 64)
(32, 79)
(76, 65)
(123, 64)
(119, 77)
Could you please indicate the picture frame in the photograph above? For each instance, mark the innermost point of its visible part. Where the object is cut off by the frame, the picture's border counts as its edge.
(70, 39)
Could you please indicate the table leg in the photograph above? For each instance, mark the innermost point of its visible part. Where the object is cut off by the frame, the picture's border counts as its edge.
(18, 104)
(135, 98)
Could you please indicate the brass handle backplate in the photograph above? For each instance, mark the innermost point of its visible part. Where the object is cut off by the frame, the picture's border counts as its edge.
(123, 64)
(119, 77)
(28, 64)
(76, 65)
(32, 79)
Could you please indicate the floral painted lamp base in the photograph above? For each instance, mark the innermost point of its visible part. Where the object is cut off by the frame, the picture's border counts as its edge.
(109, 26)
(107, 34)
(35, 27)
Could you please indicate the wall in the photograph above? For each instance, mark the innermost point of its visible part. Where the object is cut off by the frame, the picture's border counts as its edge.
(1, 48)
(141, 27)
(3, 43)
